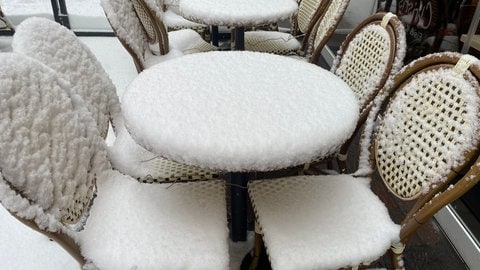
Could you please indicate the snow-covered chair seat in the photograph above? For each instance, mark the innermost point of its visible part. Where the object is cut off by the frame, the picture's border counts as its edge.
(368, 59)
(143, 34)
(315, 19)
(55, 177)
(427, 135)
(59, 48)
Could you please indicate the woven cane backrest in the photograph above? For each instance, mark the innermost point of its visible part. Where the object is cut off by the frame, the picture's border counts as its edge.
(67, 55)
(153, 26)
(127, 27)
(372, 53)
(308, 12)
(430, 126)
(325, 26)
(49, 157)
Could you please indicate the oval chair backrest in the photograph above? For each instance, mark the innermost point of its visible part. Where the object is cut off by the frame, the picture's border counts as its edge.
(51, 150)
(325, 26)
(370, 55)
(308, 12)
(148, 13)
(127, 27)
(430, 125)
(59, 48)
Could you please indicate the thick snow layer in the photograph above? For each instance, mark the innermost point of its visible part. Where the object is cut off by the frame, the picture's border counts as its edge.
(239, 111)
(237, 13)
(59, 48)
(321, 222)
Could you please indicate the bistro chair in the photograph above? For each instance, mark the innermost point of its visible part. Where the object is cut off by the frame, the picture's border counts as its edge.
(56, 179)
(59, 48)
(368, 59)
(312, 15)
(424, 149)
(144, 35)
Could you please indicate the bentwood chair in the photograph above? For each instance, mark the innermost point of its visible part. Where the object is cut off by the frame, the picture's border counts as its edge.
(57, 180)
(144, 35)
(316, 19)
(423, 150)
(368, 59)
(59, 48)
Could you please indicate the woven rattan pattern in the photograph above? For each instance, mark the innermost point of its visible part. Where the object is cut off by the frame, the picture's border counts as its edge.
(435, 115)
(165, 171)
(369, 58)
(330, 19)
(273, 45)
(306, 12)
(146, 22)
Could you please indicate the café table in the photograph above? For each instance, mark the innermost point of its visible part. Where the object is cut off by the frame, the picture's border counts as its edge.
(237, 13)
(239, 112)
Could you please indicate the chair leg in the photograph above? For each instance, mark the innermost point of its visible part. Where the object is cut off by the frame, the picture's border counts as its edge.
(396, 255)
(257, 250)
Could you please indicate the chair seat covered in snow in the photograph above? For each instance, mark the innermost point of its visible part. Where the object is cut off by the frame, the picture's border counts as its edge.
(427, 137)
(316, 19)
(59, 48)
(369, 58)
(56, 178)
(137, 25)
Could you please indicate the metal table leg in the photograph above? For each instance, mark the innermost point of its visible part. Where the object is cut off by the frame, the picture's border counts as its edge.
(238, 207)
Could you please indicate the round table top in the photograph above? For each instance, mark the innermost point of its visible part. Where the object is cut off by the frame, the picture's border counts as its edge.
(237, 12)
(239, 110)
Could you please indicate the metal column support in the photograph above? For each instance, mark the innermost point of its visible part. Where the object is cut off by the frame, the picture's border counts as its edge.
(60, 12)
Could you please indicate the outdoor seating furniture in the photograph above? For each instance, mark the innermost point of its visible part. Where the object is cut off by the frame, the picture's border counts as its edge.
(318, 27)
(144, 35)
(59, 48)
(226, 111)
(56, 178)
(368, 59)
(424, 142)
(237, 14)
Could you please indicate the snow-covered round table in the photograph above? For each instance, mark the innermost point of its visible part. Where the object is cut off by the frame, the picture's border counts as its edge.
(237, 13)
(239, 111)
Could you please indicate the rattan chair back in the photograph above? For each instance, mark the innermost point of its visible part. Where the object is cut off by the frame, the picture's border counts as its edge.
(368, 59)
(370, 55)
(429, 125)
(135, 35)
(426, 145)
(306, 16)
(81, 68)
(324, 28)
(52, 154)
(153, 26)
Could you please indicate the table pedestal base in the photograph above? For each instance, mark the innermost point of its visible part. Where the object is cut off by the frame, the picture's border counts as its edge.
(238, 207)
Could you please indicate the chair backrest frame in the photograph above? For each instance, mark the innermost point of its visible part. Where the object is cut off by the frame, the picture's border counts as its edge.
(52, 192)
(132, 31)
(324, 28)
(396, 53)
(463, 174)
(85, 73)
(304, 20)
